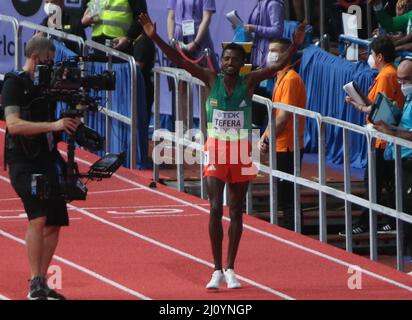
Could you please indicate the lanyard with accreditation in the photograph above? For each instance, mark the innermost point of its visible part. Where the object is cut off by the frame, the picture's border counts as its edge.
(188, 25)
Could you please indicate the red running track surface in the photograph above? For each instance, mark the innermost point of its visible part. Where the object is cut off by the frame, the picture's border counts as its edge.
(128, 241)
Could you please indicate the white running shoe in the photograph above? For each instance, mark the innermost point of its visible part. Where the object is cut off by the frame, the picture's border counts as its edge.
(231, 280)
(217, 279)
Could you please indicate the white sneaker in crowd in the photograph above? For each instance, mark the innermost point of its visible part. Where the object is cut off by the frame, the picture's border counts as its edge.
(231, 280)
(217, 279)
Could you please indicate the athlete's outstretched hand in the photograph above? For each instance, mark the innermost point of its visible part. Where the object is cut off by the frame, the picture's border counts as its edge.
(148, 26)
(300, 33)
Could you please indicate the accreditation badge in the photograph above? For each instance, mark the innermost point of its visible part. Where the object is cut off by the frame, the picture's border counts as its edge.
(188, 28)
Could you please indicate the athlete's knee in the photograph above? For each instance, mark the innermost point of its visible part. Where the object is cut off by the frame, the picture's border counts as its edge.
(216, 211)
(236, 209)
(236, 214)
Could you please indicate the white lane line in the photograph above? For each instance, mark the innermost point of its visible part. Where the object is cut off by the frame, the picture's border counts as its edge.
(4, 297)
(9, 199)
(159, 216)
(5, 179)
(114, 191)
(177, 251)
(136, 207)
(84, 270)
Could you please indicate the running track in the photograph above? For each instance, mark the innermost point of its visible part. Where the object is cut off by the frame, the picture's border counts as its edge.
(128, 241)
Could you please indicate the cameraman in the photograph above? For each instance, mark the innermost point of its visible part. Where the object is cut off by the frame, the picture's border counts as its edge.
(31, 149)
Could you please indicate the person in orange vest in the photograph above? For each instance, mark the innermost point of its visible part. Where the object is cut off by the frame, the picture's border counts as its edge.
(382, 57)
(289, 89)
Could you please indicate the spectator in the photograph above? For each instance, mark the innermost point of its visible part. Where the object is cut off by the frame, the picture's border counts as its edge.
(299, 7)
(117, 22)
(68, 24)
(144, 52)
(289, 89)
(266, 22)
(382, 58)
(402, 23)
(195, 16)
(404, 130)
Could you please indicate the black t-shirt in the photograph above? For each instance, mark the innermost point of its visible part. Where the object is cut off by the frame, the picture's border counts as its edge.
(144, 51)
(72, 26)
(34, 106)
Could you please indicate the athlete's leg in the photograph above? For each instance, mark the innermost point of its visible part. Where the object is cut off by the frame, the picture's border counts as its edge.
(237, 196)
(215, 189)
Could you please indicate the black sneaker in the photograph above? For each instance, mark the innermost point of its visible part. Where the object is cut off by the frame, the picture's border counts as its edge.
(37, 290)
(51, 294)
(387, 229)
(356, 230)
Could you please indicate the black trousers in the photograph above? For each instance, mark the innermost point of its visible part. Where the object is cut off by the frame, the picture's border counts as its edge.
(407, 201)
(385, 172)
(286, 192)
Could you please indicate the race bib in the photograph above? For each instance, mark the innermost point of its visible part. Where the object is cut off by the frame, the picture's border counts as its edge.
(225, 121)
(188, 28)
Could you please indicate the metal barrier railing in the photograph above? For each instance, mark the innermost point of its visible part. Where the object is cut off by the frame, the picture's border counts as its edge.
(178, 75)
(60, 34)
(83, 45)
(16, 30)
(296, 179)
(346, 41)
(108, 112)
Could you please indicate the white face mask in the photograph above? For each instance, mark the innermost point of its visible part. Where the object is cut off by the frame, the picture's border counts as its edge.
(51, 8)
(406, 89)
(272, 58)
(371, 62)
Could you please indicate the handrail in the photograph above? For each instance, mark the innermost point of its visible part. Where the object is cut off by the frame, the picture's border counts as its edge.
(61, 34)
(354, 40)
(54, 32)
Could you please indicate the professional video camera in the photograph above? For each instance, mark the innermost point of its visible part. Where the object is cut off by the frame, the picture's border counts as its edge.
(70, 75)
(69, 82)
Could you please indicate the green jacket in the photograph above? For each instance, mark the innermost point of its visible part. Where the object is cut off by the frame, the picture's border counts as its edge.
(392, 24)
